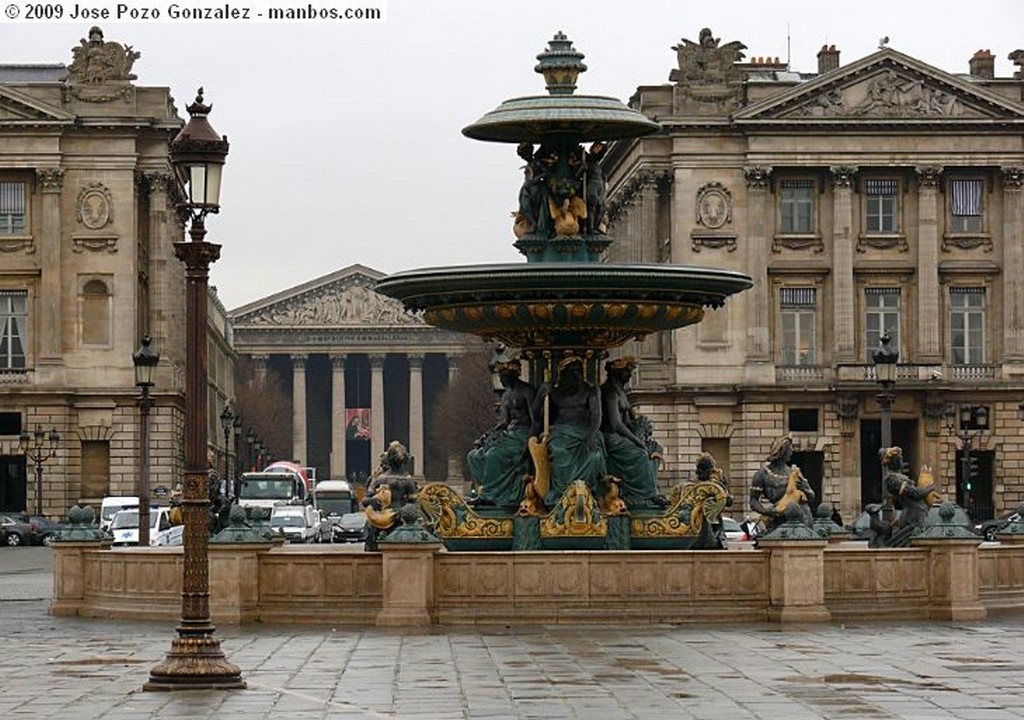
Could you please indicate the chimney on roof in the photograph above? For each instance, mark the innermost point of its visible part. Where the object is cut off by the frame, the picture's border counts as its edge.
(983, 65)
(828, 59)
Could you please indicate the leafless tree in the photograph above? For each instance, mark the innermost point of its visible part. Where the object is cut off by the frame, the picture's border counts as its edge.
(265, 407)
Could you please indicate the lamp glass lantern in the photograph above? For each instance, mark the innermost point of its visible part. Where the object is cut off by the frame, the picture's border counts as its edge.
(145, 360)
(198, 154)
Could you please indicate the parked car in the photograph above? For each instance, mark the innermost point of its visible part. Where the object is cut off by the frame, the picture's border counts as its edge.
(17, 531)
(350, 528)
(125, 527)
(988, 528)
(734, 530)
(44, 527)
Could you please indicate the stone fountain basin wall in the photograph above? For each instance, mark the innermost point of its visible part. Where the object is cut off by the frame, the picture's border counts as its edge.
(330, 585)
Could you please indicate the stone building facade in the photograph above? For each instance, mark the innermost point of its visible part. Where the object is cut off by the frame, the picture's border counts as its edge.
(361, 371)
(883, 194)
(87, 227)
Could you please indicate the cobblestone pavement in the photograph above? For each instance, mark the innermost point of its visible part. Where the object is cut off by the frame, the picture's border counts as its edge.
(72, 668)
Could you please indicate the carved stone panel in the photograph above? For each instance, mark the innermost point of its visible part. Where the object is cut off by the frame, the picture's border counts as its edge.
(352, 302)
(95, 206)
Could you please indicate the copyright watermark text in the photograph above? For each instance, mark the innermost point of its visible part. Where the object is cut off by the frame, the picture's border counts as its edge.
(262, 11)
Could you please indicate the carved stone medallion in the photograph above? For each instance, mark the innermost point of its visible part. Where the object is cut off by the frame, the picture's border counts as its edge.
(95, 206)
(714, 205)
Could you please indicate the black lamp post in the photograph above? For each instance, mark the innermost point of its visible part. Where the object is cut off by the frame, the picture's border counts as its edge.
(43, 447)
(250, 458)
(227, 419)
(973, 422)
(196, 659)
(145, 361)
(885, 358)
(236, 427)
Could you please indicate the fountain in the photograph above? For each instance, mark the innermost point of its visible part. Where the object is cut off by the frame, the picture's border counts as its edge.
(580, 482)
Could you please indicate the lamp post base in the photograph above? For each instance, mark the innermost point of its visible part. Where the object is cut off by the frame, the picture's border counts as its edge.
(195, 662)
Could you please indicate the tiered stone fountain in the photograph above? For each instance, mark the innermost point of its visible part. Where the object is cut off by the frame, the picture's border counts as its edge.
(565, 303)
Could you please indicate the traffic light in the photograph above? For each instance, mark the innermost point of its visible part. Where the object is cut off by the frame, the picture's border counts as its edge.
(972, 471)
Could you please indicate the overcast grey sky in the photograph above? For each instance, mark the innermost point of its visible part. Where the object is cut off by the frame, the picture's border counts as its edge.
(346, 142)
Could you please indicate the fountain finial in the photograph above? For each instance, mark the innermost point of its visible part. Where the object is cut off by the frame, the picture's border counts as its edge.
(560, 65)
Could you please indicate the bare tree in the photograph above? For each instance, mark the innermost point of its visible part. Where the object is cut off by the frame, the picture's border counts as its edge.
(265, 407)
(468, 407)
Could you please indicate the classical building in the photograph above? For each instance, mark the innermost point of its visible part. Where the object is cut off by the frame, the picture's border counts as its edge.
(360, 369)
(87, 233)
(882, 195)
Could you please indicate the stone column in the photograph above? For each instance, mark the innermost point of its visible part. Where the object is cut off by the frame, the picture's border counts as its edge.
(158, 185)
(843, 292)
(953, 590)
(928, 306)
(758, 298)
(299, 450)
(50, 181)
(338, 429)
(796, 571)
(259, 368)
(454, 465)
(377, 441)
(416, 412)
(1013, 265)
(408, 584)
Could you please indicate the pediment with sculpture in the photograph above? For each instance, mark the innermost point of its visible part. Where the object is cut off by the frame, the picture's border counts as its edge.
(350, 301)
(886, 86)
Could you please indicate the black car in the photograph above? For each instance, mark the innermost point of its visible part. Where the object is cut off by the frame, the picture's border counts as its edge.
(988, 528)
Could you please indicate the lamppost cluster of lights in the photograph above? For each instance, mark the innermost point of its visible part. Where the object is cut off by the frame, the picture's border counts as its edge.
(39, 447)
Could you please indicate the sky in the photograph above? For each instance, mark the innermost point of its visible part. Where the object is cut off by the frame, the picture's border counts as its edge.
(346, 142)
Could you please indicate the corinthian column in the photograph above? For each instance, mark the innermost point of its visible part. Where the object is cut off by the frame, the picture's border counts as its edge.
(1013, 264)
(299, 409)
(338, 464)
(50, 182)
(928, 333)
(758, 248)
(376, 408)
(416, 411)
(845, 347)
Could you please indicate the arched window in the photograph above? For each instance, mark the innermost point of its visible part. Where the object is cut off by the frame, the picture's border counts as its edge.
(95, 313)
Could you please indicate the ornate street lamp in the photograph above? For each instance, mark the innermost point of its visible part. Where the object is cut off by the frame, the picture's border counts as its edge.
(885, 358)
(43, 448)
(196, 659)
(145, 361)
(227, 419)
(236, 426)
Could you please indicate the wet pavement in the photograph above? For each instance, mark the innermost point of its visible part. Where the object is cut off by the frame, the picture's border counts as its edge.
(72, 668)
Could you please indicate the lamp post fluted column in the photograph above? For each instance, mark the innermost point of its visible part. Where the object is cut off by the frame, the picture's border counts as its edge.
(195, 660)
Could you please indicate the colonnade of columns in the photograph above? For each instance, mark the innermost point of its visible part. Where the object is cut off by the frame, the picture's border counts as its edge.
(340, 402)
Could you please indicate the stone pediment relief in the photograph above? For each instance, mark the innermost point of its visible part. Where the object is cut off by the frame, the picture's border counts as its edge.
(351, 302)
(16, 107)
(887, 86)
(886, 94)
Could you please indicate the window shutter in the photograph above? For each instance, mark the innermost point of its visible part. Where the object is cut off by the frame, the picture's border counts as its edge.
(881, 187)
(965, 197)
(794, 297)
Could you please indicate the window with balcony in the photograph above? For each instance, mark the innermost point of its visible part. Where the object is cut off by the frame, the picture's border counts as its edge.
(882, 308)
(13, 329)
(967, 325)
(12, 207)
(881, 207)
(798, 308)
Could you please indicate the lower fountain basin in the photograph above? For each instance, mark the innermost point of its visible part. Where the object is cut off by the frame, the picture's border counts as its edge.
(563, 304)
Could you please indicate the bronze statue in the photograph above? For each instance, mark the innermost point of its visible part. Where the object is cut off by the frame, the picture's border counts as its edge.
(911, 498)
(628, 458)
(391, 488)
(777, 485)
(498, 460)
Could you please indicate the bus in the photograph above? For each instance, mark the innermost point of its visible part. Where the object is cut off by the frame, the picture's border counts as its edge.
(334, 499)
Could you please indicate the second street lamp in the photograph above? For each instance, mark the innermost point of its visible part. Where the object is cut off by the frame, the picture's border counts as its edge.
(145, 361)
(42, 448)
(227, 419)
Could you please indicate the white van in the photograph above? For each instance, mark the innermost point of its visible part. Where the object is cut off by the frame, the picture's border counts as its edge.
(111, 505)
(125, 527)
(298, 523)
